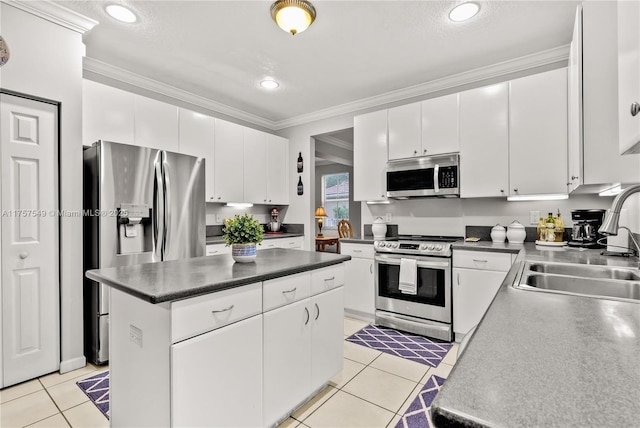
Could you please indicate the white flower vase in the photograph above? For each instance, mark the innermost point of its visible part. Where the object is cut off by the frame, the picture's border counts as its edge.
(243, 253)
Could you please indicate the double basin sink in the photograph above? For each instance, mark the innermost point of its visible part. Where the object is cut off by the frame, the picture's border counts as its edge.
(598, 281)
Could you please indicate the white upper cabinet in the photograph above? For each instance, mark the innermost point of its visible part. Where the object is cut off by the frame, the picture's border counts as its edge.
(255, 166)
(156, 124)
(484, 141)
(265, 171)
(196, 138)
(277, 170)
(575, 175)
(440, 125)
(629, 76)
(538, 134)
(603, 123)
(107, 114)
(228, 162)
(370, 156)
(405, 134)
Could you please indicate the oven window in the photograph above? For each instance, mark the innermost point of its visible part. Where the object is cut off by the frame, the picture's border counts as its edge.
(430, 285)
(416, 179)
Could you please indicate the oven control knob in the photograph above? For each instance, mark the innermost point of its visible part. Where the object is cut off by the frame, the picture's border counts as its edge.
(423, 246)
(431, 247)
(438, 247)
(394, 245)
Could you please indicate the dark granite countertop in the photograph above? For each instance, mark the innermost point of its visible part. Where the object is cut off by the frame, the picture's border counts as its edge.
(488, 246)
(218, 238)
(354, 240)
(180, 279)
(541, 359)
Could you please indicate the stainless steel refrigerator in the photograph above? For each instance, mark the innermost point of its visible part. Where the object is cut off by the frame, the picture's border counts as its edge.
(141, 205)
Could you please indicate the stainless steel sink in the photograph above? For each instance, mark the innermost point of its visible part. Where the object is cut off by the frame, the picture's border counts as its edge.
(605, 282)
(586, 271)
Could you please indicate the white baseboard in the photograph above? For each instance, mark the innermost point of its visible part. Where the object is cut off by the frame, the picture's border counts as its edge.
(76, 363)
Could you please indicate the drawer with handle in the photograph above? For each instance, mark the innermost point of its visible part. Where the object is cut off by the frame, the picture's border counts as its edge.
(217, 249)
(361, 251)
(198, 315)
(484, 260)
(283, 291)
(327, 278)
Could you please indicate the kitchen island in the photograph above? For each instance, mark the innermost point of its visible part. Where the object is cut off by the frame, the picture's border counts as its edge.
(210, 342)
(544, 359)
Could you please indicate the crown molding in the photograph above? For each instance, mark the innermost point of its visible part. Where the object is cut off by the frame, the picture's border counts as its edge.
(107, 70)
(539, 59)
(55, 13)
(335, 142)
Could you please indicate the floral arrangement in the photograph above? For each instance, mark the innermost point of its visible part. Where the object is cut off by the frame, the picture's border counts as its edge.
(242, 230)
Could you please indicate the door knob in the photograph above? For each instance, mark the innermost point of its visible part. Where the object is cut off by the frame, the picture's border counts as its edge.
(24, 255)
(635, 109)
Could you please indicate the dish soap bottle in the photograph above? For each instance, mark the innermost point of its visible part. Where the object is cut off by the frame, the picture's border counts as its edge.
(559, 228)
(550, 225)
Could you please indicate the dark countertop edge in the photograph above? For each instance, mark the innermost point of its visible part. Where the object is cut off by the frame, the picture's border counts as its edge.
(444, 418)
(210, 240)
(224, 285)
(488, 246)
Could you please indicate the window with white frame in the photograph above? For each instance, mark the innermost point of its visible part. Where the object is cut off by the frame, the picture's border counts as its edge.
(335, 198)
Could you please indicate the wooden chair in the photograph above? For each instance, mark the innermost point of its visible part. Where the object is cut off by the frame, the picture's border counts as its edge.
(345, 230)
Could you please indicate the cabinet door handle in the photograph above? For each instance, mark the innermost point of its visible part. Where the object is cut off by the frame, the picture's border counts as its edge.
(635, 109)
(213, 252)
(318, 311)
(574, 177)
(289, 291)
(515, 190)
(458, 279)
(329, 279)
(23, 255)
(479, 261)
(308, 317)
(371, 268)
(357, 251)
(223, 310)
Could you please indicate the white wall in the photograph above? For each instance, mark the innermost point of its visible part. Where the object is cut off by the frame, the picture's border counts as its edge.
(46, 61)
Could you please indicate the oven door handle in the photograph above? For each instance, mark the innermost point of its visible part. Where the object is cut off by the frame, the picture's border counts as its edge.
(436, 184)
(419, 263)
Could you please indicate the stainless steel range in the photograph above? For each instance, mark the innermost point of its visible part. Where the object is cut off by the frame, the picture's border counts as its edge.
(413, 285)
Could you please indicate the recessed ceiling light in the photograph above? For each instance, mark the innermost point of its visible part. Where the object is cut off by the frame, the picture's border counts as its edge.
(269, 84)
(463, 11)
(121, 13)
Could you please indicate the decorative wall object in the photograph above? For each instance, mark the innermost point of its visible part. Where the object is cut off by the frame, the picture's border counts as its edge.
(300, 164)
(300, 186)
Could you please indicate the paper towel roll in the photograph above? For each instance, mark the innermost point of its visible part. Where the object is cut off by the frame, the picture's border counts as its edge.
(620, 242)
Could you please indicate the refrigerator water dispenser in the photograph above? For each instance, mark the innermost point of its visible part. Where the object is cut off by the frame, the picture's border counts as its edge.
(134, 229)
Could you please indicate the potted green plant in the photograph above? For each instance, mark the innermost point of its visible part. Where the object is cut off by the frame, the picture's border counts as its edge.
(243, 233)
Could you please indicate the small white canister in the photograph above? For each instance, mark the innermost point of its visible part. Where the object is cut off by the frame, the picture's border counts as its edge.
(516, 232)
(498, 233)
(379, 228)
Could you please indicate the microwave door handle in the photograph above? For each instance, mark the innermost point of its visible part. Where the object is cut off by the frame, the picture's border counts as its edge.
(436, 184)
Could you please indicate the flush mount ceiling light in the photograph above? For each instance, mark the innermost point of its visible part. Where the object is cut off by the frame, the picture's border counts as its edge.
(463, 11)
(121, 13)
(269, 84)
(293, 16)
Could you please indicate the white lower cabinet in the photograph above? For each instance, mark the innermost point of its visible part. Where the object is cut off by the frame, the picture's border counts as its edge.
(217, 249)
(302, 344)
(477, 276)
(294, 242)
(211, 388)
(359, 281)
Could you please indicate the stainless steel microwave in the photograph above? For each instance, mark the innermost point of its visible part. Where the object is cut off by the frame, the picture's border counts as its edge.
(424, 176)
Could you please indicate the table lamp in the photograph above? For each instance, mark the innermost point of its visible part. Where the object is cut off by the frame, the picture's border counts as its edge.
(319, 214)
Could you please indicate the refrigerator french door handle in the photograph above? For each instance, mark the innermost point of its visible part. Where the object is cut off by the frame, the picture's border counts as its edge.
(158, 208)
(167, 201)
(436, 184)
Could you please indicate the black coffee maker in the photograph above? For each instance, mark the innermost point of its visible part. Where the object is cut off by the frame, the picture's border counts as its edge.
(585, 228)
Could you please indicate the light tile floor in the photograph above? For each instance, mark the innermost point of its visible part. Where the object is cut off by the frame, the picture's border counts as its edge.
(373, 390)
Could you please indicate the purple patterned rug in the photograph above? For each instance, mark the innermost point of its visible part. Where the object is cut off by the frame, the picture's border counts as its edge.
(97, 389)
(416, 415)
(415, 348)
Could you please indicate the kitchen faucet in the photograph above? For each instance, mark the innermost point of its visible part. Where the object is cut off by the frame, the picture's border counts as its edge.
(612, 217)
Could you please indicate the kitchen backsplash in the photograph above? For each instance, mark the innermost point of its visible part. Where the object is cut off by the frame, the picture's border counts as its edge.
(434, 216)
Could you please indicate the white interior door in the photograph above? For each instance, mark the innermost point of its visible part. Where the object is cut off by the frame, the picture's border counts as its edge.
(29, 249)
